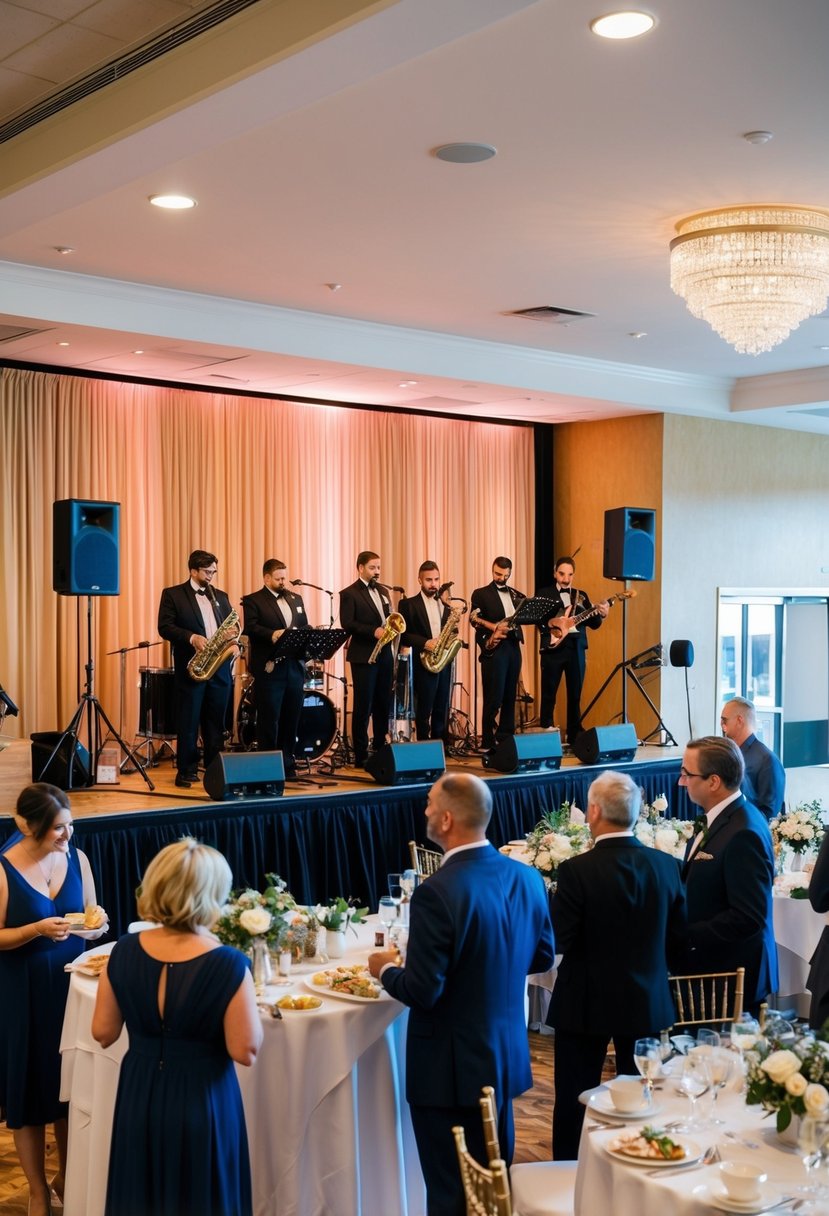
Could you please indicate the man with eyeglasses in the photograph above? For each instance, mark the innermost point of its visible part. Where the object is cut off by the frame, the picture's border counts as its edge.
(188, 616)
(728, 871)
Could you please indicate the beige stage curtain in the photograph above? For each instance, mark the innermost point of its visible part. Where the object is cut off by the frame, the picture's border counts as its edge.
(247, 479)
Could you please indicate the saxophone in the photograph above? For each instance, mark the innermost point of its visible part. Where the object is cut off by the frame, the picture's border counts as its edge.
(205, 663)
(447, 643)
(393, 626)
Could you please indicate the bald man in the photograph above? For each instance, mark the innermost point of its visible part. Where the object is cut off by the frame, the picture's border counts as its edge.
(764, 782)
(478, 927)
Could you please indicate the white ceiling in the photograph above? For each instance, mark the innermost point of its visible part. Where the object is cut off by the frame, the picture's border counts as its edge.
(317, 169)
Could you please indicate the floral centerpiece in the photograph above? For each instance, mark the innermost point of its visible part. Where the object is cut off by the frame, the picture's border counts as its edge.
(271, 916)
(554, 839)
(790, 1079)
(658, 832)
(339, 915)
(801, 830)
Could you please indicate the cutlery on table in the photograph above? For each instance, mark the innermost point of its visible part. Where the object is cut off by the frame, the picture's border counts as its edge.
(709, 1157)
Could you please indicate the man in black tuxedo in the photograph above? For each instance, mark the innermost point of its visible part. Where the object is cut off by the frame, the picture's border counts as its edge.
(619, 919)
(764, 782)
(499, 652)
(425, 615)
(478, 927)
(728, 871)
(364, 606)
(188, 615)
(279, 684)
(566, 658)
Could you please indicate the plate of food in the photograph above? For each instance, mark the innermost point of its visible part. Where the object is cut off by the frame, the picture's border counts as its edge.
(90, 964)
(299, 1004)
(653, 1147)
(602, 1103)
(89, 923)
(353, 983)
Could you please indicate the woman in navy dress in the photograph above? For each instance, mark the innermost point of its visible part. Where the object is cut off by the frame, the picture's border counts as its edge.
(42, 877)
(179, 1145)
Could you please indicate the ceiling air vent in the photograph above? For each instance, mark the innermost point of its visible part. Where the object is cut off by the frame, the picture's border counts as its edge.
(12, 333)
(551, 315)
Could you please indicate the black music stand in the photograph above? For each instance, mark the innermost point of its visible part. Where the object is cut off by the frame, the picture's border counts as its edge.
(534, 611)
(307, 643)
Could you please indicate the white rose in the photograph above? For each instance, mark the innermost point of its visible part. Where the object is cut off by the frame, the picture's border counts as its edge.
(543, 860)
(816, 1100)
(560, 849)
(644, 832)
(255, 920)
(780, 1065)
(665, 839)
(796, 1084)
(660, 804)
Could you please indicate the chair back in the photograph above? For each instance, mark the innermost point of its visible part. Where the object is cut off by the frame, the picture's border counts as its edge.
(486, 1191)
(424, 861)
(489, 1115)
(714, 996)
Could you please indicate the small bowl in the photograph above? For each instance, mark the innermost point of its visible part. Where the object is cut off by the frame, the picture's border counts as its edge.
(742, 1180)
(627, 1094)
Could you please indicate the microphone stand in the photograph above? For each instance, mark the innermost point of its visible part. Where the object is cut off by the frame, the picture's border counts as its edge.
(126, 764)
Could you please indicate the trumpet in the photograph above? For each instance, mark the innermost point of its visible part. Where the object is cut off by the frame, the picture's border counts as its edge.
(393, 626)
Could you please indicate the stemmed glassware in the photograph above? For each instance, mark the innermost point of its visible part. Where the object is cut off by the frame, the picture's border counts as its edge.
(694, 1081)
(811, 1144)
(388, 911)
(647, 1056)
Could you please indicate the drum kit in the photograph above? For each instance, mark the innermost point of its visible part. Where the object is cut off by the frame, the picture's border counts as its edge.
(317, 730)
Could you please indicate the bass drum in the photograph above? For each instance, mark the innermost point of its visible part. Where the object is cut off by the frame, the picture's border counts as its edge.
(156, 708)
(317, 726)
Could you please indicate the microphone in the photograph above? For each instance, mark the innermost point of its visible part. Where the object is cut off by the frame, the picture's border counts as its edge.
(444, 587)
(394, 587)
(143, 645)
(298, 582)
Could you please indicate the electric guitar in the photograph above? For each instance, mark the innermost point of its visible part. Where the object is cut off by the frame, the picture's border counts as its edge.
(562, 626)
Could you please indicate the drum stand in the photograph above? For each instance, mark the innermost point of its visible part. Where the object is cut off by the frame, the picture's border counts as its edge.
(90, 707)
(341, 754)
(127, 765)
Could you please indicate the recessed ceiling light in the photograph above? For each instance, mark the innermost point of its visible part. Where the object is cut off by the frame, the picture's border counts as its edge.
(638, 333)
(758, 137)
(626, 24)
(173, 202)
(334, 286)
(138, 352)
(61, 343)
(407, 384)
(464, 154)
(63, 249)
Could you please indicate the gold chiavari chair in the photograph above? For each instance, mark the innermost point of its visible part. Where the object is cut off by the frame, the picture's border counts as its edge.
(537, 1188)
(486, 1190)
(710, 997)
(424, 861)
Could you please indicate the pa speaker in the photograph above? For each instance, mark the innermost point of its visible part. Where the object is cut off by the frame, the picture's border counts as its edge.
(682, 653)
(536, 753)
(85, 547)
(406, 763)
(239, 775)
(606, 744)
(58, 770)
(629, 543)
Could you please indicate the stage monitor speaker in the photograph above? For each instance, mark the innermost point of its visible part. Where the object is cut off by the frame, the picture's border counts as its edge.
(682, 653)
(241, 775)
(57, 773)
(85, 547)
(606, 744)
(539, 752)
(629, 543)
(407, 763)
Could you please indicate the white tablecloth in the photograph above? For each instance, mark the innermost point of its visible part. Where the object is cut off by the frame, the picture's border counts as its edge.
(327, 1120)
(605, 1185)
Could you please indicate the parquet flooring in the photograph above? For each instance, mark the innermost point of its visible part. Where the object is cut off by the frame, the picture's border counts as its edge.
(533, 1117)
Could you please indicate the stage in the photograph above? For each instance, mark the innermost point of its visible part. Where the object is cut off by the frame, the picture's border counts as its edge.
(341, 835)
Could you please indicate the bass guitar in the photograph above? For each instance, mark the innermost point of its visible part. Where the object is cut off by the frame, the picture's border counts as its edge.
(562, 626)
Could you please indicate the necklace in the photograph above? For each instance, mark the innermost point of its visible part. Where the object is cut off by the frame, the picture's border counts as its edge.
(48, 878)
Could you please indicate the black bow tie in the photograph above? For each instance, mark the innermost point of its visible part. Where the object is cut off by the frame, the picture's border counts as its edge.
(201, 593)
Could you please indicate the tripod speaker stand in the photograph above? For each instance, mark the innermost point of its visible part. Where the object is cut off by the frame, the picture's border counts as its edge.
(627, 668)
(90, 708)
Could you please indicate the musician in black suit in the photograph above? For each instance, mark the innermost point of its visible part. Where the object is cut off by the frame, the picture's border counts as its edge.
(425, 615)
(364, 606)
(278, 684)
(499, 652)
(567, 657)
(187, 618)
(619, 920)
(728, 871)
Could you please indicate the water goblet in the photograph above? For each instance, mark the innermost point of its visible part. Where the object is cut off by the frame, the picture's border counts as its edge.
(694, 1081)
(388, 911)
(811, 1136)
(707, 1037)
(647, 1056)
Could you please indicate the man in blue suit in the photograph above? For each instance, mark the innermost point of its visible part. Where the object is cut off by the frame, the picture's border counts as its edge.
(478, 927)
(764, 780)
(619, 920)
(728, 871)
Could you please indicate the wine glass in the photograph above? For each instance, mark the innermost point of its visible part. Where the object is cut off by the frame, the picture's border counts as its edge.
(721, 1062)
(647, 1056)
(707, 1037)
(408, 882)
(745, 1033)
(811, 1136)
(694, 1081)
(387, 910)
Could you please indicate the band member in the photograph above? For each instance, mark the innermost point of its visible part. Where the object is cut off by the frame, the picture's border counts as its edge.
(187, 618)
(567, 656)
(425, 616)
(364, 606)
(499, 645)
(278, 688)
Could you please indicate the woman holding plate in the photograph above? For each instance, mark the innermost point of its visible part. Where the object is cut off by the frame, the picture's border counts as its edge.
(43, 878)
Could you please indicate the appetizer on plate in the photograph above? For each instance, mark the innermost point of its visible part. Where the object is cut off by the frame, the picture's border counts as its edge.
(355, 981)
(650, 1144)
(299, 1002)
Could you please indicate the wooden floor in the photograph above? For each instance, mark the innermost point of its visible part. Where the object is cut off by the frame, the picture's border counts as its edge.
(533, 1123)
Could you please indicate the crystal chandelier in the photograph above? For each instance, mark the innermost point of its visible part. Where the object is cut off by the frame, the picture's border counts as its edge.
(753, 272)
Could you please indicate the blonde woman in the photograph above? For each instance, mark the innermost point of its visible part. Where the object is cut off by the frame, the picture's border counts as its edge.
(43, 877)
(179, 1145)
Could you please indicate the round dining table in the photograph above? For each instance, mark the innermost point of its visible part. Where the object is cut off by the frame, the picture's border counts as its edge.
(325, 1108)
